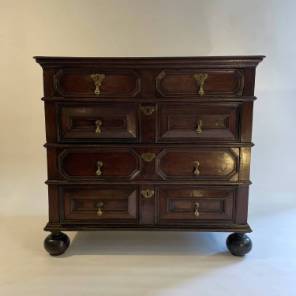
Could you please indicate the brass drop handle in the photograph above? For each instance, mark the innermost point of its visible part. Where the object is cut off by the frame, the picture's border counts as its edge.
(98, 126)
(100, 206)
(98, 80)
(196, 170)
(199, 127)
(147, 193)
(196, 209)
(201, 78)
(99, 168)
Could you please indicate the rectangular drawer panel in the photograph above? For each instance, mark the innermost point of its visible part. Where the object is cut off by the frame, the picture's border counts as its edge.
(194, 204)
(96, 82)
(126, 164)
(200, 82)
(196, 122)
(99, 204)
(98, 122)
(99, 163)
(198, 163)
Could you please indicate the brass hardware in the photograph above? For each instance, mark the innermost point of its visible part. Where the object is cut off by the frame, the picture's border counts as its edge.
(200, 79)
(147, 193)
(196, 170)
(147, 110)
(98, 126)
(98, 80)
(100, 206)
(199, 127)
(196, 209)
(148, 157)
(99, 167)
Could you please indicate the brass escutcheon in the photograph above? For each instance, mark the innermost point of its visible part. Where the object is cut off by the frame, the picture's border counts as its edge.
(147, 110)
(147, 193)
(148, 156)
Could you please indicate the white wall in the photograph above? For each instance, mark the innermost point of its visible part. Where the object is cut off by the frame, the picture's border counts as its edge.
(145, 28)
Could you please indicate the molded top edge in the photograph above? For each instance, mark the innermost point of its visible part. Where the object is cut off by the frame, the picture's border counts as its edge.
(189, 61)
(172, 58)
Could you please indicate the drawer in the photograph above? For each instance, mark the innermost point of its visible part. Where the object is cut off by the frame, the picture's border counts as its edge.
(98, 122)
(200, 82)
(198, 163)
(99, 204)
(96, 82)
(99, 163)
(196, 122)
(194, 204)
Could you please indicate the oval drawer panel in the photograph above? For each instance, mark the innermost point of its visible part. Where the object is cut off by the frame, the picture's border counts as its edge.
(197, 122)
(99, 164)
(194, 204)
(200, 82)
(198, 163)
(96, 82)
(98, 122)
(99, 204)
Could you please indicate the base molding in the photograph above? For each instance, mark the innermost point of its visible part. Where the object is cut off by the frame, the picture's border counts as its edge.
(245, 228)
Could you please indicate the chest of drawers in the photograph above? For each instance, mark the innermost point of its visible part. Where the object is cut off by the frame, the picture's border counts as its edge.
(148, 144)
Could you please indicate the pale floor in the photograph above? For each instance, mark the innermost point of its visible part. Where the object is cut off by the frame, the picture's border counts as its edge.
(149, 263)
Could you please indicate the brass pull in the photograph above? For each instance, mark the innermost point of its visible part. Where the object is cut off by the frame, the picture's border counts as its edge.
(148, 157)
(98, 80)
(147, 110)
(196, 170)
(200, 79)
(196, 209)
(98, 126)
(100, 206)
(99, 167)
(147, 193)
(199, 127)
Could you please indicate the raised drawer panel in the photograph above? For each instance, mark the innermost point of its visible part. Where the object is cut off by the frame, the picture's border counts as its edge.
(196, 122)
(200, 82)
(144, 163)
(96, 82)
(98, 122)
(116, 204)
(193, 204)
(198, 164)
(99, 164)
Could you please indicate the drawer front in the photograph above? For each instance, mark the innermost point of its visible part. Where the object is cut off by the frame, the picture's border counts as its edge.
(98, 122)
(194, 204)
(199, 164)
(196, 122)
(99, 204)
(99, 164)
(200, 82)
(96, 82)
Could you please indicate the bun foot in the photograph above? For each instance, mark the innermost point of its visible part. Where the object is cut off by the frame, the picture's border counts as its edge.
(56, 243)
(239, 244)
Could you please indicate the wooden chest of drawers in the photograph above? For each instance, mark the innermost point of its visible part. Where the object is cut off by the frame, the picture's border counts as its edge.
(148, 144)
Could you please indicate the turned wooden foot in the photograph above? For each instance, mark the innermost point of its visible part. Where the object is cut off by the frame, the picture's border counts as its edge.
(56, 243)
(239, 244)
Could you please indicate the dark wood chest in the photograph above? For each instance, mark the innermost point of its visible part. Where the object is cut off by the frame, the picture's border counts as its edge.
(148, 143)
